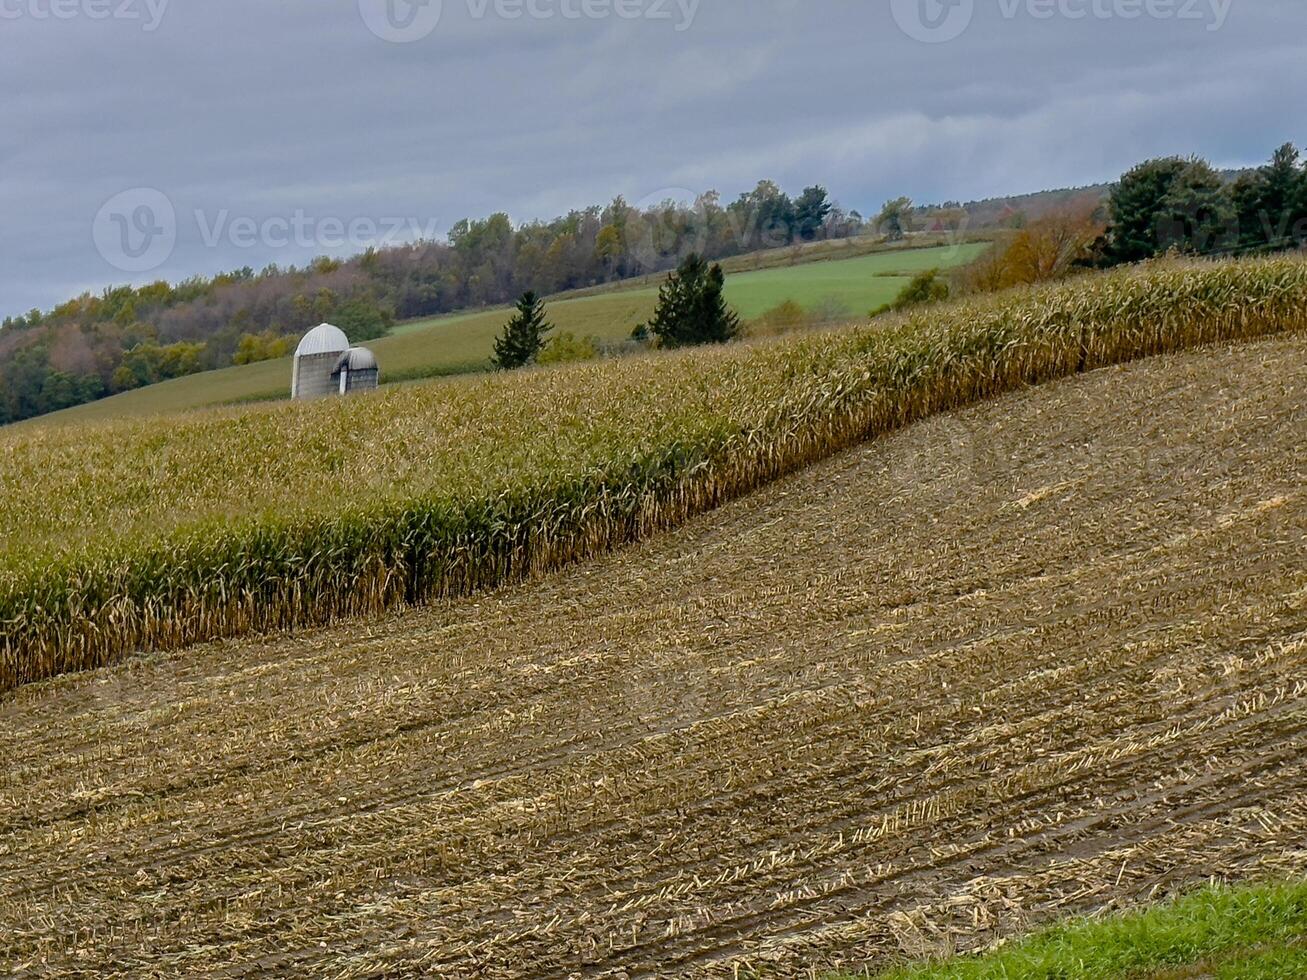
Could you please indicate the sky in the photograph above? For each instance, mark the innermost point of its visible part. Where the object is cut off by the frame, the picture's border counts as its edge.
(148, 139)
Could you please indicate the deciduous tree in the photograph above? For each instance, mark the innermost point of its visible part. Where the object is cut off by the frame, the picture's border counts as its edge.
(893, 218)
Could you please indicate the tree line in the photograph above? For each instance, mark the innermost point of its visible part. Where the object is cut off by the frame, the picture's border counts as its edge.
(125, 337)
(1166, 205)
(1185, 205)
(97, 345)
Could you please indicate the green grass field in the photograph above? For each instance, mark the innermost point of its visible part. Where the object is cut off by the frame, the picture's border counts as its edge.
(461, 343)
(1256, 933)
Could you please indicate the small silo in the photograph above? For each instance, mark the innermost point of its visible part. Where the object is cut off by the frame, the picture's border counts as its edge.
(315, 362)
(356, 370)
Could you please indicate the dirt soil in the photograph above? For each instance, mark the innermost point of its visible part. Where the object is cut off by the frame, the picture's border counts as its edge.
(1047, 654)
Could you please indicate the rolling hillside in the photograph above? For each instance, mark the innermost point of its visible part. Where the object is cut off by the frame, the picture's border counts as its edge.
(1035, 656)
(128, 535)
(463, 342)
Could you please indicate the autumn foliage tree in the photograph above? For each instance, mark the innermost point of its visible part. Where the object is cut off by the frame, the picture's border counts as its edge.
(1045, 249)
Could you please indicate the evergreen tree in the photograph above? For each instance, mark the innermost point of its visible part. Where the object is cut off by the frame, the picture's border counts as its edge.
(524, 335)
(1272, 201)
(1169, 203)
(1197, 214)
(811, 209)
(691, 307)
(1135, 205)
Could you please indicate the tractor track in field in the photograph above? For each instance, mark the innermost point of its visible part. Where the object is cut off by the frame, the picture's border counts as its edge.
(835, 778)
(880, 895)
(34, 820)
(1041, 655)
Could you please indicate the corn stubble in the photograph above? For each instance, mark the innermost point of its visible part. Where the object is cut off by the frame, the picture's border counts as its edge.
(147, 536)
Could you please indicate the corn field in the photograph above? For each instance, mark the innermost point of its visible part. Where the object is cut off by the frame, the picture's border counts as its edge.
(142, 535)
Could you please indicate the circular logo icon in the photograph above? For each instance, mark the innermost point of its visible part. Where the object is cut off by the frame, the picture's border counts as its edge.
(136, 231)
(933, 21)
(401, 21)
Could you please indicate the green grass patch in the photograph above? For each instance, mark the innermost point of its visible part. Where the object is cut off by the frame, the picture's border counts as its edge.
(1249, 933)
(1273, 964)
(859, 284)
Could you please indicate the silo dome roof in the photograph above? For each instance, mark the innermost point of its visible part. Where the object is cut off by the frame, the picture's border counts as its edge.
(357, 359)
(323, 339)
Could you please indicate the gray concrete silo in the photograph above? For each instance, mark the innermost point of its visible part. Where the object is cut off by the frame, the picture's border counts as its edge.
(315, 362)
(356, 370)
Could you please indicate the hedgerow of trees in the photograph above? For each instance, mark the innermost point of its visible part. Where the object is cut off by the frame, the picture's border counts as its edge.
(1166, 205)
(1184, 205)
(96, 345)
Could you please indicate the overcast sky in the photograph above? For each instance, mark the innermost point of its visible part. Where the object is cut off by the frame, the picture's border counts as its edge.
(142, 139)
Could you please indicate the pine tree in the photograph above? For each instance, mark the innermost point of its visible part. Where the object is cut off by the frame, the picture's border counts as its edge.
(811, 209)
(1136, 204)
(1272, 202)
(691, 307)
(1197, 214)
(524, 335)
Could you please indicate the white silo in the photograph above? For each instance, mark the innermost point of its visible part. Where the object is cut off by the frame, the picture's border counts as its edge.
(315, 362)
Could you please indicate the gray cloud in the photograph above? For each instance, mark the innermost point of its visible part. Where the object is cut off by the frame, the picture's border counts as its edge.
(268, 110)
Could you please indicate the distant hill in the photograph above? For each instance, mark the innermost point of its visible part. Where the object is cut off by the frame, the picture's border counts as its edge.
(1000, 212)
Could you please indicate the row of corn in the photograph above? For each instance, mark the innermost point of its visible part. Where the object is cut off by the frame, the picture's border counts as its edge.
(556, 466)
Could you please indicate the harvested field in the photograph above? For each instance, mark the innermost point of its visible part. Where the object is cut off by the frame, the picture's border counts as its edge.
(1040, 655)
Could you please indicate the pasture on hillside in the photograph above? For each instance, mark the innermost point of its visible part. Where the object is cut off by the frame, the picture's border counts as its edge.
(1035, 657)
(462, 342)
